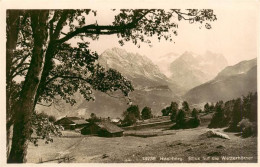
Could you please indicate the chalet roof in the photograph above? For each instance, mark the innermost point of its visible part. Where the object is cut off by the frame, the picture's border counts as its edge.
(79, 122)
(71, 120)
(110, 127)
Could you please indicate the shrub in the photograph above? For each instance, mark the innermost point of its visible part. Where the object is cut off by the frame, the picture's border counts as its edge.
(146, 113)
(52, 118)
(192, 122)
(129, 119)
(247, 128)
(131, 115)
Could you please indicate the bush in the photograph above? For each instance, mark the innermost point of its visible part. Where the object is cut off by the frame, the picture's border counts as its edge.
(52, 118)
(192, 122)
(129, 119)
(131, 115)
(147, 113)
(247, 128)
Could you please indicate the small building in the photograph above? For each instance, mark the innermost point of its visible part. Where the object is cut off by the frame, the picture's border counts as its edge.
(103, 128)
(71, 122)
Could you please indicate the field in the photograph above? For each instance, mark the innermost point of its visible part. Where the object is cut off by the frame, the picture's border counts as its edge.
(155, 144)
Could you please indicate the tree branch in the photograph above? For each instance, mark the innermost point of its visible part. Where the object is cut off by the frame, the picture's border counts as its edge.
(19, 72)
(52, 21)
(59, 26)
(20, 65)
(102, 29)
(65, 77)
(180, 14)
(45, 105)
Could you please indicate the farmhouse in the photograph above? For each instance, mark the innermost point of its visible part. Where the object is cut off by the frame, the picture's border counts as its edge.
(71, 122)
(104, 128)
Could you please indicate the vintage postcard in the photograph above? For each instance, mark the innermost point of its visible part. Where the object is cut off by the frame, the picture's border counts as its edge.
(133, 82)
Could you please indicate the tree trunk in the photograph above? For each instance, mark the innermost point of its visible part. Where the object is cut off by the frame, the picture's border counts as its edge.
(24, 107)
(50, 53)
(48, 66)
(12, 29)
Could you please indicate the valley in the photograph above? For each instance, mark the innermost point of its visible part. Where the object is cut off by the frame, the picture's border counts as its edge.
(183, 77)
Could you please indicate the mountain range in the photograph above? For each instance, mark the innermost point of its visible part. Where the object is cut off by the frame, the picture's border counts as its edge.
(232, 82)
(191, 77)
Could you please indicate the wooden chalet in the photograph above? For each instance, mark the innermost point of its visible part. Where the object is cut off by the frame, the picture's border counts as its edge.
(103, 128)
(71, 122)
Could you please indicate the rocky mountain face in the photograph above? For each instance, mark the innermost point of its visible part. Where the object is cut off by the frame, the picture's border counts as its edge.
(134, 66)
(190, 70)
(232, 82)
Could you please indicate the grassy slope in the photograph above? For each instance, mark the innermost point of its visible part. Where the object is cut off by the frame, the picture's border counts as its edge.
(167, 143)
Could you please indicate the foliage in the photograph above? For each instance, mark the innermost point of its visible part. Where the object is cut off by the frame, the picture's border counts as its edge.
(180, 118)
(193, 122)
(209, 108)
(170, 110)
(43, 128)
(52, 118)
(134, 109)
(247, 128)
(250, 106)
(195, 113)
(146, 113)
(206, 108)
(93, 118)
(131, 115)
(185, 106)
(236, 114)
(174, 109)
(129, 119)
(164, 112)
(218, 119)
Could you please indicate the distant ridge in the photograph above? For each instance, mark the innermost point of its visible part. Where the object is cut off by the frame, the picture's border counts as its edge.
(232, 82)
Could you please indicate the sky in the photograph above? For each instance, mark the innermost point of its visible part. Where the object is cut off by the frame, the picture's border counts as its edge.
(234, 35)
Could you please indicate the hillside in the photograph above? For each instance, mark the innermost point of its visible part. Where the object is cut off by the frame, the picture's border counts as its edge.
(232, 82)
